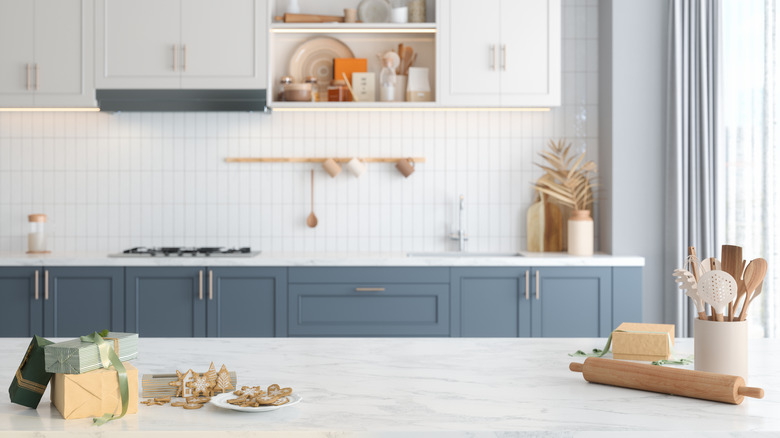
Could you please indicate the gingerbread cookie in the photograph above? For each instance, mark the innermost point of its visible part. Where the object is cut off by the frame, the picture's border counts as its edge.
(200, 385)
(179, 382)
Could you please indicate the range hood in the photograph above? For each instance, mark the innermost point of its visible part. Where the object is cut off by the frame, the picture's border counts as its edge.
(182, 100)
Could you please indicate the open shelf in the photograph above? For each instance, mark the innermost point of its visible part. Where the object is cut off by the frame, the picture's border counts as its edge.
(353, 28)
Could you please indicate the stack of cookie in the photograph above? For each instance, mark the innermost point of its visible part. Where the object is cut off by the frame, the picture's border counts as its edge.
(254, 396)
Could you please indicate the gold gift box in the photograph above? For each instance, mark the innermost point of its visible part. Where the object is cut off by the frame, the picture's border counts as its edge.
(94, 393)
(637, 341)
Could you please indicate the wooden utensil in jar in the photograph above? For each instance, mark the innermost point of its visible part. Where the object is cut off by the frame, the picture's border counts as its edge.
(676, 381)
(754, 276)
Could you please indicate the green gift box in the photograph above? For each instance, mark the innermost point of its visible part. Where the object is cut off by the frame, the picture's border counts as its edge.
(76, 357)
(31, 377)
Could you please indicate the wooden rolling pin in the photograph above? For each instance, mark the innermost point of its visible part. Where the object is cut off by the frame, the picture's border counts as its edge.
(675, 381)
(309, 18)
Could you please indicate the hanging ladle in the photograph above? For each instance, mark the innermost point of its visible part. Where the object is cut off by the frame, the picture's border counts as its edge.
(311, 221)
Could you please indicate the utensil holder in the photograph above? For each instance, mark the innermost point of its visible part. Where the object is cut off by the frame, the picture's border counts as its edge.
(721, 347)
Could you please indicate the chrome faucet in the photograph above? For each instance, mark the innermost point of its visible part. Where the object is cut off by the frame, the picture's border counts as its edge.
(460, 236)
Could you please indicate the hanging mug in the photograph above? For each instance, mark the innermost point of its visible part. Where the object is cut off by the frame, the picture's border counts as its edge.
(332, 167)
(356, 166)
(405, 166)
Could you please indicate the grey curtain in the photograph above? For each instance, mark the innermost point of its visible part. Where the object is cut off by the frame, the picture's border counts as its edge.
(692, 201)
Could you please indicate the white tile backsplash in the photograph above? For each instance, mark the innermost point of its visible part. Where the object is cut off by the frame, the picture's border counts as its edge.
(113, 181)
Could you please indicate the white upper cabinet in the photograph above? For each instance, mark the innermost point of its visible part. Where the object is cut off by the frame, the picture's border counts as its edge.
(46, 53)
(501, 53)
(181, 44)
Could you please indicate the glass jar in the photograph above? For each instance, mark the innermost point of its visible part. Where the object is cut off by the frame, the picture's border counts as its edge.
(315, 88)
(284, 81)
(416, 11)
(36, 237)
(338, 91)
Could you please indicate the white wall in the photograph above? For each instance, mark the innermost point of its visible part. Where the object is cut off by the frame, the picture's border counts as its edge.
(113, 181)
(633, 88)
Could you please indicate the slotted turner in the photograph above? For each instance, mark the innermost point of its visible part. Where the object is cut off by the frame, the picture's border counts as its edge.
(718, 289)
(688, 284)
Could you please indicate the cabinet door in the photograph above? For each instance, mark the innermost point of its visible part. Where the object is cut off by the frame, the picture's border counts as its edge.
(165, 302)
(16, 52)
(138, 44)
(63, 70)
(530, 52)
(470, 53)
(491, 302)
(80, 301)
(571, 302)
(223, 44)
(21, 312)
(247, 302)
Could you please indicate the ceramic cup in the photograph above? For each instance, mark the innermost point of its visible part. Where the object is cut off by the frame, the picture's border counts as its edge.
(721, 347)
(356, 166)
(350, 15)
(400, 15)
(405, 166)
(332, 167)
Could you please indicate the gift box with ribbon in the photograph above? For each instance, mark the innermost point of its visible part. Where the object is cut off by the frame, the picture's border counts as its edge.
(637, 341)
(77, 356)
(31, 378)
(94, 394)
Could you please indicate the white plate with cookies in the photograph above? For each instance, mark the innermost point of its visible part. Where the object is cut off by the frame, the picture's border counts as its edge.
(221, 400)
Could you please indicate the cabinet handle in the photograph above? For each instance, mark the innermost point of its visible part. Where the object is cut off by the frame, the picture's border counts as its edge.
(537, 285)
(37, 275)
(46, 285)
(527, 285)
(175, 57)
(28, 77)
(369, 289)
(183, 57)
(503, 57)
(200, 285)
(493, 57)
(36, 76)
(211, 285)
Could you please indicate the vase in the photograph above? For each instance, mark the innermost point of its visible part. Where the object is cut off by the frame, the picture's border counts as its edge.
(580, 233)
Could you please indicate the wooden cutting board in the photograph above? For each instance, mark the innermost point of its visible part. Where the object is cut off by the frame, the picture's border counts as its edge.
(544, 227)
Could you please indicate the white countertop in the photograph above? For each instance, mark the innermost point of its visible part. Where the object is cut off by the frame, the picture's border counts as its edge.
(391, 387)
(319, 259)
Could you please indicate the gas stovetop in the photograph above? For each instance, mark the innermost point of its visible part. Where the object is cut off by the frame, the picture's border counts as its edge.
(182, 251)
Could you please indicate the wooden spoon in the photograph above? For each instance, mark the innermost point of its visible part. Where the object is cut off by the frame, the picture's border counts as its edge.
(753, 277)
(311, 221)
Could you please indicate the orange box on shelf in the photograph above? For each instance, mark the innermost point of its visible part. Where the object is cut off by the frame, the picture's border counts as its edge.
(637, 341)
(94, 393)
(348, 66)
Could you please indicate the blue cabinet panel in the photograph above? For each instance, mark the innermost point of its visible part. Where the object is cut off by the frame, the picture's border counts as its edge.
(369, 310)
(83, 300)
(626, 295)
(572, 302)
(490, 302)
(247, 302)
(21, 312)
(165, 302)
(319, 275)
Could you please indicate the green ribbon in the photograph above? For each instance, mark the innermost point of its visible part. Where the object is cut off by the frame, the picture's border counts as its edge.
(107, 358)
(601, 352)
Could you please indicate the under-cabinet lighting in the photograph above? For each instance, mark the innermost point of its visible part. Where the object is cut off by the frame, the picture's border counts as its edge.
(310, 109)
(354, 30)
(28, 110)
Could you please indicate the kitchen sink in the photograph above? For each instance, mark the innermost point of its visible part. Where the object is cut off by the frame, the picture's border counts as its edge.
(463, 254)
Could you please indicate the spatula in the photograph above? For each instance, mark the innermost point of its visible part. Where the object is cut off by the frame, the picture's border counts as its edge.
(717, 288)
(688, 284)
(753, 278)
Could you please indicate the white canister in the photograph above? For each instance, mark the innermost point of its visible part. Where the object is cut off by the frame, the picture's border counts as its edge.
(721, 347)
(418, 88)
(580, 233)
(36, 236)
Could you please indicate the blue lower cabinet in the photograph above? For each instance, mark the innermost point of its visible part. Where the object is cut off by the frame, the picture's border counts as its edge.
(247, 302)
(21, 312)
(626, 295)
(369, 302)
(490, 302)
(571, 302)
(165, 302)
(80, 300)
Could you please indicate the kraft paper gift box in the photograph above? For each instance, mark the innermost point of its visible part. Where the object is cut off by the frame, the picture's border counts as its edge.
(31, 378)
(637, 341)
(94, 393)
(74, 356)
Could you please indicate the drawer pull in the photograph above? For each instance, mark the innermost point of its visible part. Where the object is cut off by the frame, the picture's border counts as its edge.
(537, 285)
(200, 285)
(527, 285)
(36, 284)
(46, 285)
(369, 289)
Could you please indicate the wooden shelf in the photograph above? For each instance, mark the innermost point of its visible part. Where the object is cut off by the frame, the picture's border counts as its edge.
(351, 106)
(353, 28)
(318, 160)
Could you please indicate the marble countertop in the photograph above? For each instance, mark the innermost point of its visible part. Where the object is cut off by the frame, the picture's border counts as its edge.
(391, 387)
(358, 258)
